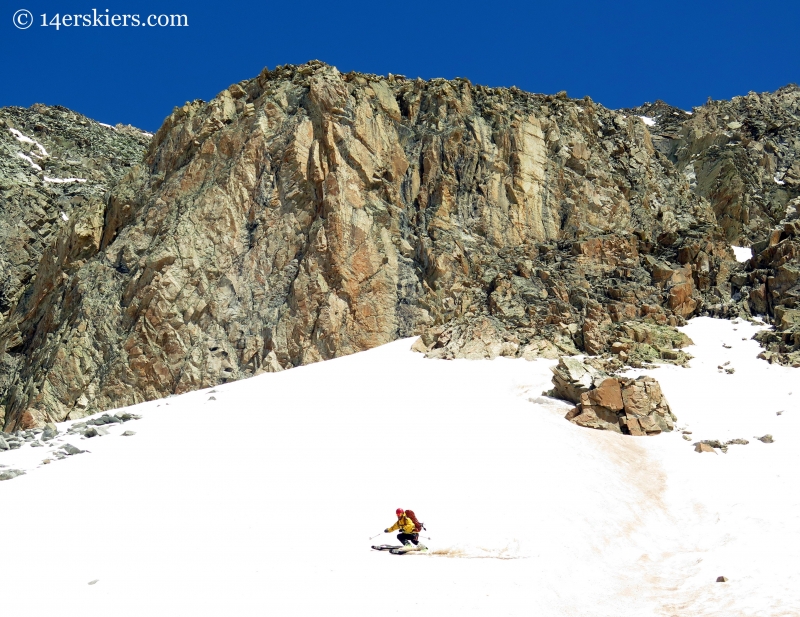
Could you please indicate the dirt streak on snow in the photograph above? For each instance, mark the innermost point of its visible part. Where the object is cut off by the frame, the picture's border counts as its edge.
(263, 500)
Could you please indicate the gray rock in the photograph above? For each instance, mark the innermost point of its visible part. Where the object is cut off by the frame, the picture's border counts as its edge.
(10, 474)
(3, 444)
(90, 432)
(71, 450)
(128, 433)
(766, 439)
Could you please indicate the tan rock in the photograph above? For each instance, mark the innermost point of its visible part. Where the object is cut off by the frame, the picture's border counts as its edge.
(607, 394)
(633, 406)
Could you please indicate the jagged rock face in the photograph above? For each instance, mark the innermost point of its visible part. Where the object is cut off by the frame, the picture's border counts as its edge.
(743, 155)
(771, 285)
(52, 161)
(306, 214)
(55, 167)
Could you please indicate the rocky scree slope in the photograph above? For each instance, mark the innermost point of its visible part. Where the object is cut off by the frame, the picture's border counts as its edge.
(55, 168)
(742, 155)
(307, 214)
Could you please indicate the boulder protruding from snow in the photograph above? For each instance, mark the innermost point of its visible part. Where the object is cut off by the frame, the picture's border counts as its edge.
(609, 402)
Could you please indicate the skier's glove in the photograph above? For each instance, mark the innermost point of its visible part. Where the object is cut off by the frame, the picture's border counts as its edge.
(386, 530)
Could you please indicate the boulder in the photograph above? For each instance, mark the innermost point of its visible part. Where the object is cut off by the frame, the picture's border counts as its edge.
(608, 402)
(11, 474)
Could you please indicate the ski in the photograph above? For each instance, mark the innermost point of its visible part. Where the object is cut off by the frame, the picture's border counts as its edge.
(403, 550)
(386, 547)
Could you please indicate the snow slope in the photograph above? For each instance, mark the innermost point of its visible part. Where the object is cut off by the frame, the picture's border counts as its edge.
(261, 502)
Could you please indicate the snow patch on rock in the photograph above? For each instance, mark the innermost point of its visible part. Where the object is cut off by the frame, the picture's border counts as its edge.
(742, 253)
(30, 160)
(27, 140)
(63, 180)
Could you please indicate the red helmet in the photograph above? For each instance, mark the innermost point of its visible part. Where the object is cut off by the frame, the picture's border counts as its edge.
(399, 511)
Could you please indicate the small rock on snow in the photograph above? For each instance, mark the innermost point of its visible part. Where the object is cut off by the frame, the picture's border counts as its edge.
(11, 473)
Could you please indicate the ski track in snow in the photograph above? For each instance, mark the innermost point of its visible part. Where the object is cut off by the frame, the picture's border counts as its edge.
(262, 501)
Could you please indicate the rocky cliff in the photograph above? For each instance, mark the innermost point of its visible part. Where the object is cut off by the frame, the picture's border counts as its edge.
(742, 155)
(55, 168)
(307, 214)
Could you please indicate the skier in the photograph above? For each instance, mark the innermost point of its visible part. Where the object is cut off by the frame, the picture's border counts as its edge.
(408, 529)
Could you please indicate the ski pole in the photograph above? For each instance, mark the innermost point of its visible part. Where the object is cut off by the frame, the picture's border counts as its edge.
(375, 536)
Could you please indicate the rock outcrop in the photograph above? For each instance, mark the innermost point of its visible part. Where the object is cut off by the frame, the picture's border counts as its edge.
(55, 169)
(742, 155)
(771, 286)
(609, 402)
(308, 214)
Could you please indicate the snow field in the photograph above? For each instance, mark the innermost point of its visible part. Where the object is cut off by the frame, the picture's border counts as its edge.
(262, 501)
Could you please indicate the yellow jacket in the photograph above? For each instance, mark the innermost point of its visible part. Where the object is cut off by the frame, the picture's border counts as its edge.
(405, 524)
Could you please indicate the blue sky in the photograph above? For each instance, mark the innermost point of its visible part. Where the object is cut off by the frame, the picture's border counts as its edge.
(620, 53)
